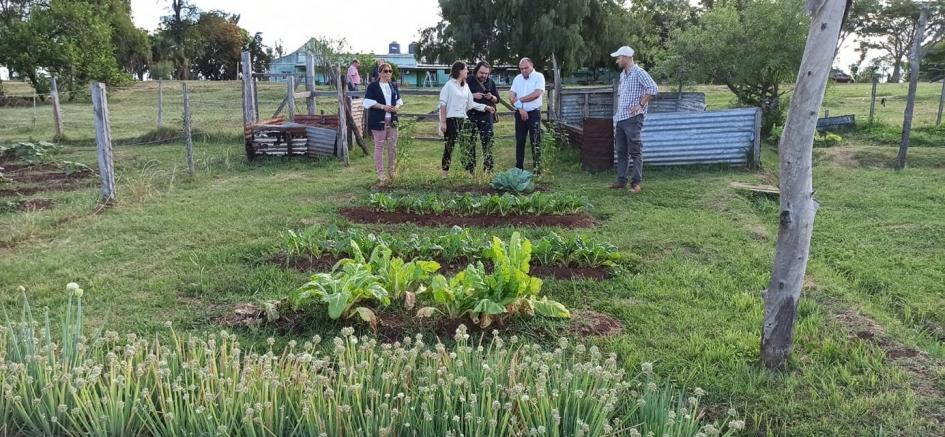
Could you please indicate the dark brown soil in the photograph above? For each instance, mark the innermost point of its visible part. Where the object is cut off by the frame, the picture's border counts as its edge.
(47, 176)
(368, 215)
(587, 323)
(915, 362)
(63, 185)
(325, 263)
(35, 204)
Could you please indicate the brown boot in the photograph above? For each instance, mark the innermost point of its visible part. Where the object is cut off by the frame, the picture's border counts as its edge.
(618, 185)
(635, 187)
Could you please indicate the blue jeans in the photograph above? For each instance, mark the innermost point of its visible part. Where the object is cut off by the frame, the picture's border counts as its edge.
(629, 148)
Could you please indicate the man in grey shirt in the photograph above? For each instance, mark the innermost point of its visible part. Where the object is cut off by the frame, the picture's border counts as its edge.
(634, 94)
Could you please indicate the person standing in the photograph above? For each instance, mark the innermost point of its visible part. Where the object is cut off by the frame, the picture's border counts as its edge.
(634, 94)
(354, 77)
(382, 98)
(484, 91)
(525, 96)
(455, 101)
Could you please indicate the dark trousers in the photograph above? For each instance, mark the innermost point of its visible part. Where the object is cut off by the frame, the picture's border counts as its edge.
(352, 87)
(530, 128)
(456, 129)
(629, 149)
(483, 123)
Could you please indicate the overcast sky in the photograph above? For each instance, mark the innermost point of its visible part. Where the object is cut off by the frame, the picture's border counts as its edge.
(367, 25)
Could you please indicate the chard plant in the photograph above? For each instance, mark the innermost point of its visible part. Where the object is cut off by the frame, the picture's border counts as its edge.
(72, 383)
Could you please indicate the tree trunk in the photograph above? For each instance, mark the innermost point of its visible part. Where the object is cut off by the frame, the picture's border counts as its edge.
(914, 60)
(896, 75)
(798, 206)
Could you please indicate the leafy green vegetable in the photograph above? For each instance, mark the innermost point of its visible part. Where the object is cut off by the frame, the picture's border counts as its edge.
(513, 180)
(468, 204)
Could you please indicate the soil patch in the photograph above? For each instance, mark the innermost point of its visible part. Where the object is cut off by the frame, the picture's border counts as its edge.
(368, 215)
(64, 185)
(325, 263)
(48, 176)
(587, 323)
(915, 362)
(35, 205)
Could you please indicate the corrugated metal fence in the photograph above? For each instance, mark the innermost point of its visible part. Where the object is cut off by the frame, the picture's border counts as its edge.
(717, 137)
(579, 103)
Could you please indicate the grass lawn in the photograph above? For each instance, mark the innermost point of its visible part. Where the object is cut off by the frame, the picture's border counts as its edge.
(870, 343)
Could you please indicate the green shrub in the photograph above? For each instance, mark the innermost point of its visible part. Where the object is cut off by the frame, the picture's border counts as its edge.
(513, 180)
(827, 139)
(67, 382)
(70, 168)
(31, 153)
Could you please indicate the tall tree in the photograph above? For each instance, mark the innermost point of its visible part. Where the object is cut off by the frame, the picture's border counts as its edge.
(751, 51)
(798, 206)
(504, 32)
(70, 39)
(215, 46)
(892, 28)
(132, 44)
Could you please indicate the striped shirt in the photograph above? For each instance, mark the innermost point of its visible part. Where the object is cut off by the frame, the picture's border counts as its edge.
(634, 84)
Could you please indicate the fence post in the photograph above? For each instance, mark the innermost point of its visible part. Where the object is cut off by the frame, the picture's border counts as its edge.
(33, 128)
(249, 111)
(873, 99)
(342, 117)
(57, 110)
(103, 141)
(160, 108)
(310, 83)
(941, 104)
(187, 133)
(290, 99)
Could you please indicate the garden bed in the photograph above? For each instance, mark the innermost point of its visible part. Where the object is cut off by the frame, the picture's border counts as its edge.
(326, 262)
(369, 215)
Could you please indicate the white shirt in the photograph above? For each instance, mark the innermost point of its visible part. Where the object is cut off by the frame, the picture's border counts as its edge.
(385, 88)
(458, 99)
(523, 87)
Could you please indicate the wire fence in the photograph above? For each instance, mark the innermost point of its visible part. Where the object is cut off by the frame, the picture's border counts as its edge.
(216, 109)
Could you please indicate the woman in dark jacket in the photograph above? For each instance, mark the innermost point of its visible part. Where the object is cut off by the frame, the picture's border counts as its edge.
(382, 98)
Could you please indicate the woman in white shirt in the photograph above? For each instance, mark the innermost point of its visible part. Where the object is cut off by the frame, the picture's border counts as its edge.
(382, 98)
(455, 100)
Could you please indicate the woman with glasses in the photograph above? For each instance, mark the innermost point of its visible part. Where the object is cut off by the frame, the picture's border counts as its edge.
(382, 98)
(455, 100)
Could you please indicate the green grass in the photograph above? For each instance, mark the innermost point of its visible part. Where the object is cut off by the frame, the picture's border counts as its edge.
(186, 249)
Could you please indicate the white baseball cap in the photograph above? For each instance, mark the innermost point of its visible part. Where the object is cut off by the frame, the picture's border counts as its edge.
(623, 51)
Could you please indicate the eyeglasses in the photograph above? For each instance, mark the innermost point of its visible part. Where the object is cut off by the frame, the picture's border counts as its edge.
(387, 71)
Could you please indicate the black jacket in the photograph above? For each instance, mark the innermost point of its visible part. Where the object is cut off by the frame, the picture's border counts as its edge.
(376, 116)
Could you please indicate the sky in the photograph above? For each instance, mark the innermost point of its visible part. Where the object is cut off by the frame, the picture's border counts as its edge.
(367, 25)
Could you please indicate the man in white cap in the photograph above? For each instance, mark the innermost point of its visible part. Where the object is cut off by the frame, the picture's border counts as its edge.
(636, 90)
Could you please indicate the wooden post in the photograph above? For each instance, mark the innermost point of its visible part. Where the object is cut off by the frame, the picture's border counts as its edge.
(941, 104)
(310, 83)
(873, 98)
(756, 144)
(558, 88)
(249, 111)
(103, 141)
(798, 206)
(342, 118)
(290, 99)
(33, 128)
(160, 108)
(255, 99)
(189, 140)
(57, 110)
(914, 60)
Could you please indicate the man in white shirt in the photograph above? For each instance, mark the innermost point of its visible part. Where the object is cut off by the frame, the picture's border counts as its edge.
(525, 95)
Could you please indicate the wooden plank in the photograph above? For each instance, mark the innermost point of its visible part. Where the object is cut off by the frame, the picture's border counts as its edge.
(103, 141)
(249, 112)
(766, 190)
(57, 109)
(303, 95)
(188, 137)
